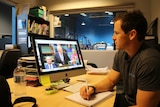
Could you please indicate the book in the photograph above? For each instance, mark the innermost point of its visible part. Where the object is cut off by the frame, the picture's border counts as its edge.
(93, 101)
(32, 26)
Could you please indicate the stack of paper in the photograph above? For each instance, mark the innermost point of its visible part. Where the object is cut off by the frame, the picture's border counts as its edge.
(92, 70)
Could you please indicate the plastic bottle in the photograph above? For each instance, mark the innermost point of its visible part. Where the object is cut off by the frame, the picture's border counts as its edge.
(19, 76)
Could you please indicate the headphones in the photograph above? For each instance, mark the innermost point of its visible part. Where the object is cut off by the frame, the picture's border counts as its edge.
(26, 99)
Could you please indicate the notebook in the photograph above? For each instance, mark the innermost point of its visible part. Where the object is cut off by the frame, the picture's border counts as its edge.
(93, 101)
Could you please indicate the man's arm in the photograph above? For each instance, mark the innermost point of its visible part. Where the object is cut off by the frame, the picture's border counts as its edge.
(147, 98)
(105, 85)
(109, 82)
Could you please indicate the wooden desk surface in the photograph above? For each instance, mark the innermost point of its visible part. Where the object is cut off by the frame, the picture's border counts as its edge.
(58, 99)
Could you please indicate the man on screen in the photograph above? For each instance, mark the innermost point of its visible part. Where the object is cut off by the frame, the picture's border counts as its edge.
(61, 58)
(49, 64)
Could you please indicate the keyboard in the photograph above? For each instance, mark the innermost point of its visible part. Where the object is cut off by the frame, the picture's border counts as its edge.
(74, 87)
(61, 86)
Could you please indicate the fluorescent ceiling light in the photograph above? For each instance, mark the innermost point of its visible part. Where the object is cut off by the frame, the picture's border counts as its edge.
(83, 14)
(109, 13)
(111, 22)
(66, 14)
(83, 24)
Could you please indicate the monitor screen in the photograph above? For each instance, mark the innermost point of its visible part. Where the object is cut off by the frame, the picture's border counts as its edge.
(58, 58)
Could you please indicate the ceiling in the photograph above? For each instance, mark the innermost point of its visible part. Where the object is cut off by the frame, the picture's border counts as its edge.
(98, 15)
(91, 15)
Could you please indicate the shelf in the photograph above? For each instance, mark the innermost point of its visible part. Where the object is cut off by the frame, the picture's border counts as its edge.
(28, 25)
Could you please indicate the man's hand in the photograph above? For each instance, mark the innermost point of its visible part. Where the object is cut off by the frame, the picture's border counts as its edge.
(84, 94)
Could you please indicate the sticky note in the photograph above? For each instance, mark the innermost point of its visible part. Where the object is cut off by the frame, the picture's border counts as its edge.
(45, 80)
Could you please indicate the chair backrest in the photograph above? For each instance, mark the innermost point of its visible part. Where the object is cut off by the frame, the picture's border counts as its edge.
(5, 94)
(8, 62)
(100, 46)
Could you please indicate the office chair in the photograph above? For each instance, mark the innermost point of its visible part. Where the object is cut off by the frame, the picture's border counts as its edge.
(92, 64)
(100, 46)
(5, 98)
(8, 62)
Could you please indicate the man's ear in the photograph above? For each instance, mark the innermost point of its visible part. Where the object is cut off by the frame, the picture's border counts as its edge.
(133, 34)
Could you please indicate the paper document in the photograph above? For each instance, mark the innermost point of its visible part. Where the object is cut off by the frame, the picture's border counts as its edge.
(92, 70)
(94, 100)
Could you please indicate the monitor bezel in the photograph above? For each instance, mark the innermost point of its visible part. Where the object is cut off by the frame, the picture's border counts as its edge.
(62, 73)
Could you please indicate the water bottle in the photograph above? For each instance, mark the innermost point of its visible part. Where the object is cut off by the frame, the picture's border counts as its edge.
(19, 76)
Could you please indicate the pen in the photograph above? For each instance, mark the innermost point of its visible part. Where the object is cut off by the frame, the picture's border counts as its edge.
(86, 86)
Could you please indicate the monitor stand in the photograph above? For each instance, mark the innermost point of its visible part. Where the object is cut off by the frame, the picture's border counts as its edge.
(66, 80)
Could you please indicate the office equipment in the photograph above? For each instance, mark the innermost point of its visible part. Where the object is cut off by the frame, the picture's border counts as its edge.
(75, 87)
(60, 86)
(4, 41)
(92, 64)
(58, 99)
(44, 47)
(29, 65)
(93, 100)
(8, 62)
(45, 100)
(21, 100)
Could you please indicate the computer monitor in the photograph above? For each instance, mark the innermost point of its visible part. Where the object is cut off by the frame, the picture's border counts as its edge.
(46, 48)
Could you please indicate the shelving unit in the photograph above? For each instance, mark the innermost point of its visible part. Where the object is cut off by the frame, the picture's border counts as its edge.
(28, 25)
(151, 37)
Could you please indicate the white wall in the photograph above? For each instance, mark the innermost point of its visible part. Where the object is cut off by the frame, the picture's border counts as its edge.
(101, 58)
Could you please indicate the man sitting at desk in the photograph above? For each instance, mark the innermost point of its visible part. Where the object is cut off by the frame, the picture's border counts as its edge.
(49, 64)
(61, 58)
(137, 64)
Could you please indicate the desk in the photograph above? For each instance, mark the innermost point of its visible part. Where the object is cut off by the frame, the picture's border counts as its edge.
(58, 99)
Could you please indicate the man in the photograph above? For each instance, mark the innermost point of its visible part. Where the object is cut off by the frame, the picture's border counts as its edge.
(61, 58)
(49, 64)
(135, 63)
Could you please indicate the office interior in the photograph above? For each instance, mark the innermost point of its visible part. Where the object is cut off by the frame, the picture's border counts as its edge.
(88, 28)
(87, 40)
(87, 35)
(74, 26)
